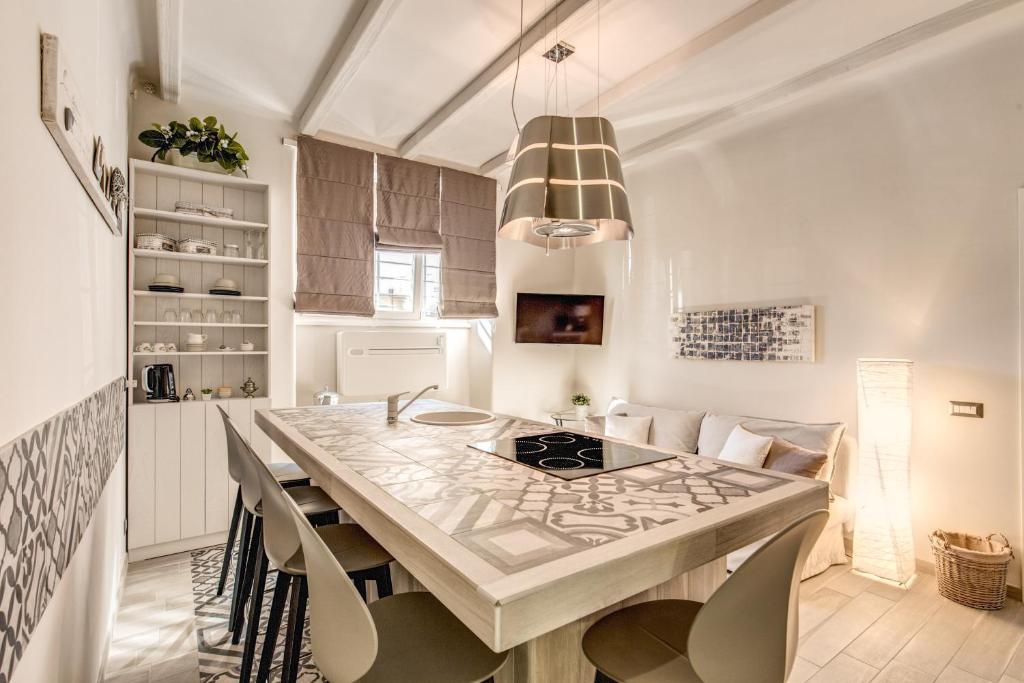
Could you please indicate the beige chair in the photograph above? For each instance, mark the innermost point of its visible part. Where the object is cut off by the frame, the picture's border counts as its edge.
(364, 558)
(312, 499)
(409, 637)
(746, 631)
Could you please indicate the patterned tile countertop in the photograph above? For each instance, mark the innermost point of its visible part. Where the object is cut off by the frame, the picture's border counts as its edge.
(509, 515)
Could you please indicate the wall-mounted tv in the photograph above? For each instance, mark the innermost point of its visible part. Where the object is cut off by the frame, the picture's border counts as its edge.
(559, 318)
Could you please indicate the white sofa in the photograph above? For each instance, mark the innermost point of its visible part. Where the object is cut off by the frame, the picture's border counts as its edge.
(704, 433)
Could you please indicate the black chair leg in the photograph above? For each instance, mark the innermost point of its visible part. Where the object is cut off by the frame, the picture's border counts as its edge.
(384, 588)
(255, 611)
(360, 583)
(238, 618)
(601, 678)
(296, 623)
(243, 549)
(230, 545)
(277, 606)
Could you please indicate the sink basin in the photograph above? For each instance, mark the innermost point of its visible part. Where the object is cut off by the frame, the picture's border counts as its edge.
(454, 418)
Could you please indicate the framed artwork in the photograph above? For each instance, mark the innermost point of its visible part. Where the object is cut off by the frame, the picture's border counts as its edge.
(768, 333)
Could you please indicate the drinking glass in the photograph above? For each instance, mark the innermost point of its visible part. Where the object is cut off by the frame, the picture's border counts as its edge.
(236, 317)
(225, 317)
(185, 316)
(250, 247)
(261, 246)
(170, 315)
(211, 317)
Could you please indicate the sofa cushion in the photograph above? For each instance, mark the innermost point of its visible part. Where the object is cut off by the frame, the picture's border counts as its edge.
(745, 448)
(715, 429)
(786, 456)
(635, 429)
(675, 430)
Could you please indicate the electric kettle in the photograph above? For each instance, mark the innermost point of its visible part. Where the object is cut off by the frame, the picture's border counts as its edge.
(158, 381)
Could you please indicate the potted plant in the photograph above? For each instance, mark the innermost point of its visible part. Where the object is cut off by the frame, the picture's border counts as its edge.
(206, 140)
(207, 394)
(581, 402)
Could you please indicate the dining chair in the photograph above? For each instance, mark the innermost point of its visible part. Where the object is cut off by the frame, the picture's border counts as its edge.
(746, 631)
(312, 499)
(364, 558)
(287, 473)
(409, 637)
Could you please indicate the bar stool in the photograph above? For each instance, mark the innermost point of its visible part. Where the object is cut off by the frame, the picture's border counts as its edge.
(746, 631)
(365, 560)
(288, 473)
(312, 499)
(409, 637)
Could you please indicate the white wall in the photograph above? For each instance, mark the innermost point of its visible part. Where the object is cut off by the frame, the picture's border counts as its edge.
(63, 280)
(530, 380)
(316, 362)
(890, 204)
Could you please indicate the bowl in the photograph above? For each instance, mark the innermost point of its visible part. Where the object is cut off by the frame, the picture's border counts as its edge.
(166, 279)
(225, 283)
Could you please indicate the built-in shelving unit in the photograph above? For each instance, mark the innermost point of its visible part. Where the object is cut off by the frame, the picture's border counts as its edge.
(179, 491)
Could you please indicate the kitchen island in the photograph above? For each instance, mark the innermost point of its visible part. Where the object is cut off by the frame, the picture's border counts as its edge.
(525, 559)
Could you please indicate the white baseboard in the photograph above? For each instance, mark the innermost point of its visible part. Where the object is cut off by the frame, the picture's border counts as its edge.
(171, 547)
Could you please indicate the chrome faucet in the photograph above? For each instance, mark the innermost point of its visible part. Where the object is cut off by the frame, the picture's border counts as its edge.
(394, 412)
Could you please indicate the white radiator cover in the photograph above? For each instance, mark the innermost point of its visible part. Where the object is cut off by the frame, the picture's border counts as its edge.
(373, 363)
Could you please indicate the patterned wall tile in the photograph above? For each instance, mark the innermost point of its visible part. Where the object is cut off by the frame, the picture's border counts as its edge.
(51, 478)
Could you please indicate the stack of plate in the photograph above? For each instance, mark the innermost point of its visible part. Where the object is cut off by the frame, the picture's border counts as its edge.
(166, 282)
(225, 286)
(195, 347)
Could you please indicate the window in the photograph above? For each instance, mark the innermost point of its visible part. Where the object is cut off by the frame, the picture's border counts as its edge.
(407, 285)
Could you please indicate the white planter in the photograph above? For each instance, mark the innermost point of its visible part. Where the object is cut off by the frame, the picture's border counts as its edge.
(207, 397)
(174, 158)
(582, 412)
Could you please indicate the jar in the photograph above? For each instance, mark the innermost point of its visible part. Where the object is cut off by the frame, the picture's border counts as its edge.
(231, 250)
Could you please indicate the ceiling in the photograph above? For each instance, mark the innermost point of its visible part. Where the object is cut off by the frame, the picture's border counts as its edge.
(433, 80)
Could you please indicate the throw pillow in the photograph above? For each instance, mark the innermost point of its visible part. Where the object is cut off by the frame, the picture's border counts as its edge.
(635, 429)
(745, 448)
(786, 456)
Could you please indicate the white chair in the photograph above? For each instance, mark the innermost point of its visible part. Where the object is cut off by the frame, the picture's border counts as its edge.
(409, 637)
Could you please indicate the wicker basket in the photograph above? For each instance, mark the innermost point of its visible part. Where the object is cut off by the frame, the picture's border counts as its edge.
(971, 570)
(155, 242)
(194, 245)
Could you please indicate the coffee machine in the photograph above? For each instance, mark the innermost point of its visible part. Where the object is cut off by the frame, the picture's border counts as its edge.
(158, 381)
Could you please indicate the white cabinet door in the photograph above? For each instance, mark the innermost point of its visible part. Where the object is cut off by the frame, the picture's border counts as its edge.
(167, 495)
(141, 476)
(193, 469)
(220, 490)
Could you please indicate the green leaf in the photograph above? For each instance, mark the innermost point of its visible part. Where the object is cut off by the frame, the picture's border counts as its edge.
(195, 124)
(153, 138)
(210, 121)
(162, 154)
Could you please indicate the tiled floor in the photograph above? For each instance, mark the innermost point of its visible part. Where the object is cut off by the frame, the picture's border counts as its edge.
(155, 638)
(853, 630)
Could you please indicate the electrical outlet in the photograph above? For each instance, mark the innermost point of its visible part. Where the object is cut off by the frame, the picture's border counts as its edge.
(966, 409)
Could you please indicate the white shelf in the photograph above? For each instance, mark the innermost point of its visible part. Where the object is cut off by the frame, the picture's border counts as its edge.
(176, 217)
(204, 258)
(201, 353)
(168, 171)
(143, 323)
(199, 399)
(195, 295)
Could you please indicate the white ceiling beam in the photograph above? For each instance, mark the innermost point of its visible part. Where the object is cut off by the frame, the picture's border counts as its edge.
(169, 38)
(349, 58)
(670, 63)
(487, 78)
(857, 59)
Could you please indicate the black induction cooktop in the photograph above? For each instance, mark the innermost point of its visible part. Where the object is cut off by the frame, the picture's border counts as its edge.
(570, 456)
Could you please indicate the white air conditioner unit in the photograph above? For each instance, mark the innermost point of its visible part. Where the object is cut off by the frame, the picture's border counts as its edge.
(374, 364)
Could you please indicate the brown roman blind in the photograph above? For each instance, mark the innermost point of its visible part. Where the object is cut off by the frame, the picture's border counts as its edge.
(468, 222)
(408, 205)
(334, 216)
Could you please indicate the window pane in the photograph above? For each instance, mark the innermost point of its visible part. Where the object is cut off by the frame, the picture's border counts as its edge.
(396, 272)
(431, 285)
